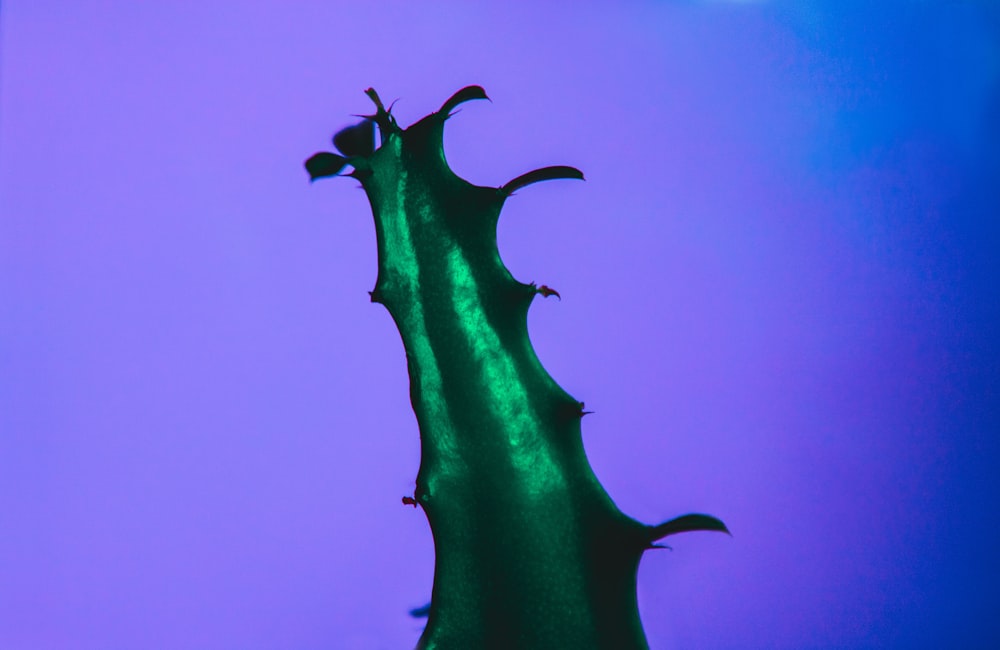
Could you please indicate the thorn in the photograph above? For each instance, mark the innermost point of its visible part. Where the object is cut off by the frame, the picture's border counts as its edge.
(409, 501)
(542, 174)
(669, 548)
(465, 94)
(547, 291)
(572, 411)
(686, 523)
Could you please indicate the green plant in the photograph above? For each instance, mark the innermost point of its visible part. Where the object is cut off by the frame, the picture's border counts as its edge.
(530, 551)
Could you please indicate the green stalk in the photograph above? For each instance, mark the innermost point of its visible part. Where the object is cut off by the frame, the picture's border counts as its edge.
(530, 551)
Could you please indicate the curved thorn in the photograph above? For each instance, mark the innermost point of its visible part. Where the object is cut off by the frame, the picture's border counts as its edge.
(547, 291)
(543, 174)
(687, 523)
(466, 94)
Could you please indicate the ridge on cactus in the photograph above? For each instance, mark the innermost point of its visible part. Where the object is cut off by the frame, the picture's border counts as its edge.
(530, 551)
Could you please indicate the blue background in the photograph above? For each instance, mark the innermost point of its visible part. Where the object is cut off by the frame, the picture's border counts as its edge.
(778, 296)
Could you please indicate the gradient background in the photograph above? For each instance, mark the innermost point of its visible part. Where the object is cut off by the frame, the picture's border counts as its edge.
(779, 296)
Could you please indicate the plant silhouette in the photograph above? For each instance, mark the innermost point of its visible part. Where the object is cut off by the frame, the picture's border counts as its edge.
(530, 551)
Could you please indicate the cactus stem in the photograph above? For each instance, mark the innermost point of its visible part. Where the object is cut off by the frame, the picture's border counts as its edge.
(530, 550)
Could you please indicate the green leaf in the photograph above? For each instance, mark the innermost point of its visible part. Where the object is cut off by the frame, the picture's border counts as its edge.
(323, 164)
(357, 140)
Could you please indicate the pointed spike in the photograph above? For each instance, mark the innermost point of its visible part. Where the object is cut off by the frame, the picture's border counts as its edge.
(518, 295)
(687, 523)
(324, 164)
(547, 291)
(543, 174)
(374, 116)
(567, 411)
(464, 95)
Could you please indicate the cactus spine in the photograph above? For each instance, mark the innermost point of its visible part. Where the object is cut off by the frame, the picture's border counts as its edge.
(530, 551)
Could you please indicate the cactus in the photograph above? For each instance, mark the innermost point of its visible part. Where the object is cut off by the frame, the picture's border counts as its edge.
(530, 551)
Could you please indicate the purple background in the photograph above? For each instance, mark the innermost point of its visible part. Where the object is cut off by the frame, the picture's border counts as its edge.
(778, 291)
